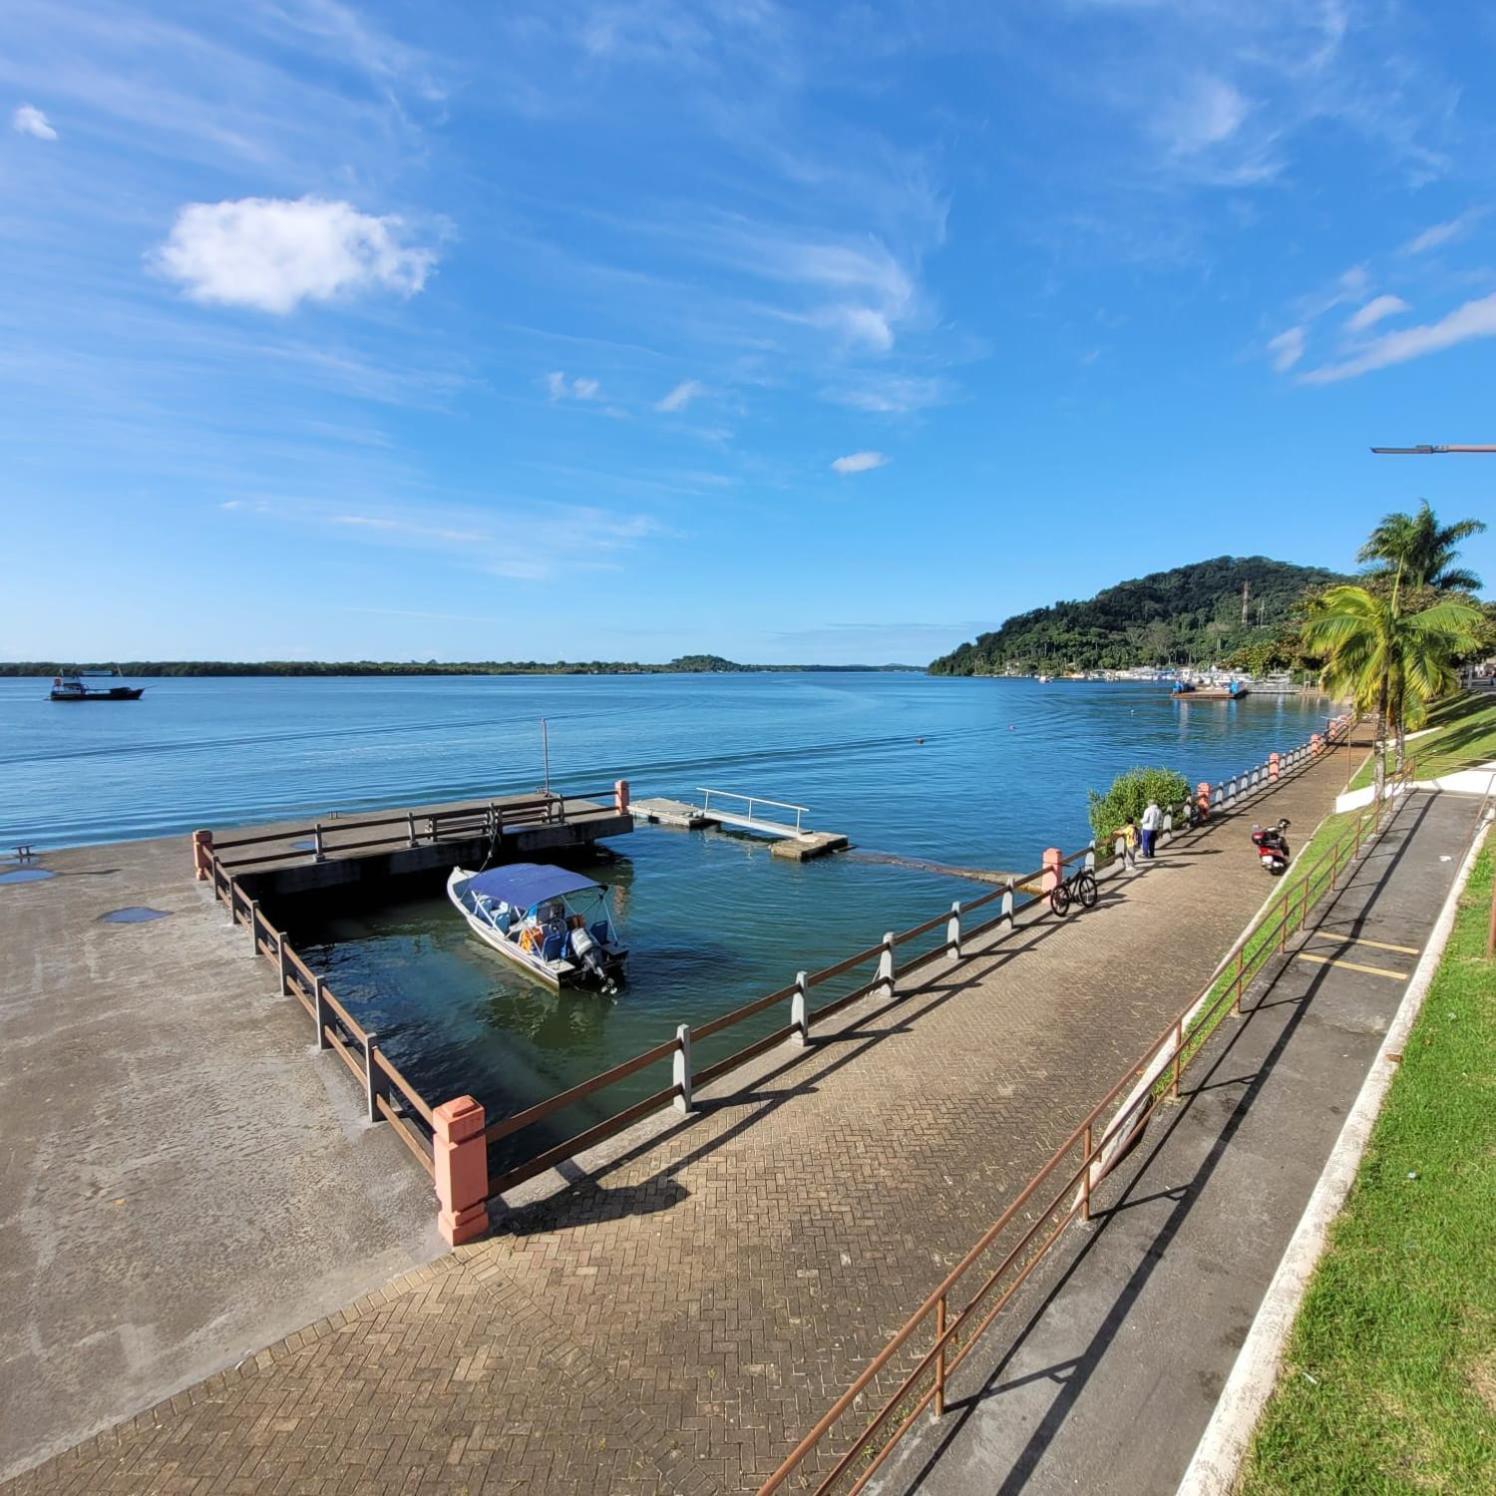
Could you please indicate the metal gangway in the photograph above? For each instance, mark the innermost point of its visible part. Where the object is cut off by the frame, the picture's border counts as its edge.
(747, 818)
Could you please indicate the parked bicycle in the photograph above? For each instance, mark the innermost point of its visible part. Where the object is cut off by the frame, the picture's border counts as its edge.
(1078, 887)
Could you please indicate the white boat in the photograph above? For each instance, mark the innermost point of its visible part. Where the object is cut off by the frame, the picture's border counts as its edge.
(549, 921)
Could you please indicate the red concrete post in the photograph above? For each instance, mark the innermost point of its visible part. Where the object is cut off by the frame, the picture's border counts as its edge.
(202, 855)
(461, 1156)
(1054, 869)
(621, 796)
(1202, 798)
(1273, 762)
(1316, 744)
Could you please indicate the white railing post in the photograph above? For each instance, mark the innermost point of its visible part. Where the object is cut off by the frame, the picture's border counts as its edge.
(885, 966)
(681, 1069)
(800, 1011)
(1166, 831)
(410, 821)
(1007, 913)
(317, 842)
(1090, 862)
(953, 932)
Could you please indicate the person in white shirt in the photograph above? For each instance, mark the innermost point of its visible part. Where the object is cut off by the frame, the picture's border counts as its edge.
(1152, 820)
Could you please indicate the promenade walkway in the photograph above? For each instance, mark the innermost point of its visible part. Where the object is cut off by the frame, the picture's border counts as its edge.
(675, 1319)
(1107, 1365)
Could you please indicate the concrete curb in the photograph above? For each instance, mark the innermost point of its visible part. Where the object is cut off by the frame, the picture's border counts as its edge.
(1217, 1461)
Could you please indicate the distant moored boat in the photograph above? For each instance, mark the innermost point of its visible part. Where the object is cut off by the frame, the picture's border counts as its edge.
(71, 688)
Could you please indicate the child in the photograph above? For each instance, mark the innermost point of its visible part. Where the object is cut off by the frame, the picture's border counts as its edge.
(1130, 843)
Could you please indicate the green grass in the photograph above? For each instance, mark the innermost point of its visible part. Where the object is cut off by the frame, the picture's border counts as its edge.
(1389, 1382)
(1464, 736)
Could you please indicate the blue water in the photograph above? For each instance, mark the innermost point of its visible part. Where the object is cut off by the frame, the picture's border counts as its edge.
(711, 920)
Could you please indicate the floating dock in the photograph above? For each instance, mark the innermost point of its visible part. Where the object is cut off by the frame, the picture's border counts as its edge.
(794, 842)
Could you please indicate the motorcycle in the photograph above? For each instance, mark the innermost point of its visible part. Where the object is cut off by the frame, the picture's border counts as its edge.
(1272, 847)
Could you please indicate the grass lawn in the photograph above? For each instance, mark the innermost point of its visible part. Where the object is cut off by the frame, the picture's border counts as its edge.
(1389, 1381)
(1464, 736)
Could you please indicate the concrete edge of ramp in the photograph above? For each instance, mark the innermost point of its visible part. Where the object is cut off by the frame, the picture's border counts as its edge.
(1218, 1458)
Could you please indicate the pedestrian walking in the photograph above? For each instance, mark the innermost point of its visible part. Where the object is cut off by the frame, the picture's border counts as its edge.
(1153, 818)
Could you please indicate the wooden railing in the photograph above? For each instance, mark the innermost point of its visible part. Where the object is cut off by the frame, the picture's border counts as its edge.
(387, 1093)
(1020, 901)
(411, 829)
(1066, 1184)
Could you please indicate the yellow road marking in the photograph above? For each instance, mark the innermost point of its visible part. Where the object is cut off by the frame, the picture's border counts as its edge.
(1381, 945)
(1371, 971)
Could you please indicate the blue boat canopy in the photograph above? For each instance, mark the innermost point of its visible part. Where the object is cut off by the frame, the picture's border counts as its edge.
(525, 884)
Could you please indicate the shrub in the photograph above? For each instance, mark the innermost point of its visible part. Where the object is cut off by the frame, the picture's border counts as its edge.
(1129, 796)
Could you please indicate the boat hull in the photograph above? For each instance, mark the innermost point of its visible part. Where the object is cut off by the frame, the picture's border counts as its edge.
(119, 693)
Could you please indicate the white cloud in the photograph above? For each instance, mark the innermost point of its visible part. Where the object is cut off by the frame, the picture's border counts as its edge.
(559, 387)
(681, 396)
(1375, 310)
(1475, 319)
(1438, 234)
(893, 394)
(274, 253)
(859, 462)
(1206, 112)
(29, 120)
(1287, 348)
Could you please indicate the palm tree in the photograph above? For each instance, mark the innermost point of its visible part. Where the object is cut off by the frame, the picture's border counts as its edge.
(1388, 662)
(1421, 551)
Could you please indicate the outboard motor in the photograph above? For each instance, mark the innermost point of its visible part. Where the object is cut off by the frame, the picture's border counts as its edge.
(1272, 847)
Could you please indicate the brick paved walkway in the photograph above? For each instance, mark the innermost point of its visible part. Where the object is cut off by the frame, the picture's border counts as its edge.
(674, 1322)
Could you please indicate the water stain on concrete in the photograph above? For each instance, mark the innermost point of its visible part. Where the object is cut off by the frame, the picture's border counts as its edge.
(27, 875)
(133, 914)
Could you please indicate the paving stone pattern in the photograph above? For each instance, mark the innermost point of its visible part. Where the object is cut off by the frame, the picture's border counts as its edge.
(675, 1322)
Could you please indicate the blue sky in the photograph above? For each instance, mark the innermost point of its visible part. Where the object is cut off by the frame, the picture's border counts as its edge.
(812, 333)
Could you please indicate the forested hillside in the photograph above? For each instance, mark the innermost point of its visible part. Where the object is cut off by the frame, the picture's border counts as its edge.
(1192, 614)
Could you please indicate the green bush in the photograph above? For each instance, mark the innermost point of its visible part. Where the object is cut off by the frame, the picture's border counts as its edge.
(1129, 796)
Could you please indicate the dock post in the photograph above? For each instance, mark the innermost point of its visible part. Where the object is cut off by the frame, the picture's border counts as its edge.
(410, 821)
(799, 1016)
(460, 1154)
(953, 932)
(681, 1069)
(1053, 864)
(254, 934)
(1007, 913)
(318, 854)
(885, 966)
(320, 1010)
(202, 854)
(282, 966)
(621, 796)
(371, 1073)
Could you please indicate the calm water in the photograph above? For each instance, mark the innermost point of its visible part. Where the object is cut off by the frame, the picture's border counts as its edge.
(711, 919)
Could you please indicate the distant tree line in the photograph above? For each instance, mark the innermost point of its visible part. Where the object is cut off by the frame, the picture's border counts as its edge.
(683, 665)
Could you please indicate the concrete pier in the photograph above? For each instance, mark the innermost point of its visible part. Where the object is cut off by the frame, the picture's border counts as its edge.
(305, 856)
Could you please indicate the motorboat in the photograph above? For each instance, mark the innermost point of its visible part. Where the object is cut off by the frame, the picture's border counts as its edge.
(71, 688)
(549, 921)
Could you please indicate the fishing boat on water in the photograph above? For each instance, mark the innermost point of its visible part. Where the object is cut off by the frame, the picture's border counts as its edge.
(71, 688)
(550, 922)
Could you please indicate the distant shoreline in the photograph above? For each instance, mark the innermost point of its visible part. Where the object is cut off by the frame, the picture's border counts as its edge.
(215, 669)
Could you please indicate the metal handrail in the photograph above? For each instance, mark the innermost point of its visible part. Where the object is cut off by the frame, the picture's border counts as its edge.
(751, 801)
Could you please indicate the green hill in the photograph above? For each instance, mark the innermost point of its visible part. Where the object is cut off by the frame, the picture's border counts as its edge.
(1192, 614)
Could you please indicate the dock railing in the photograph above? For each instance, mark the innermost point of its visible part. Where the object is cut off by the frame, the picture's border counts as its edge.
(410, 829)
(958, 1311)
(801, 811)
(1021, 900)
